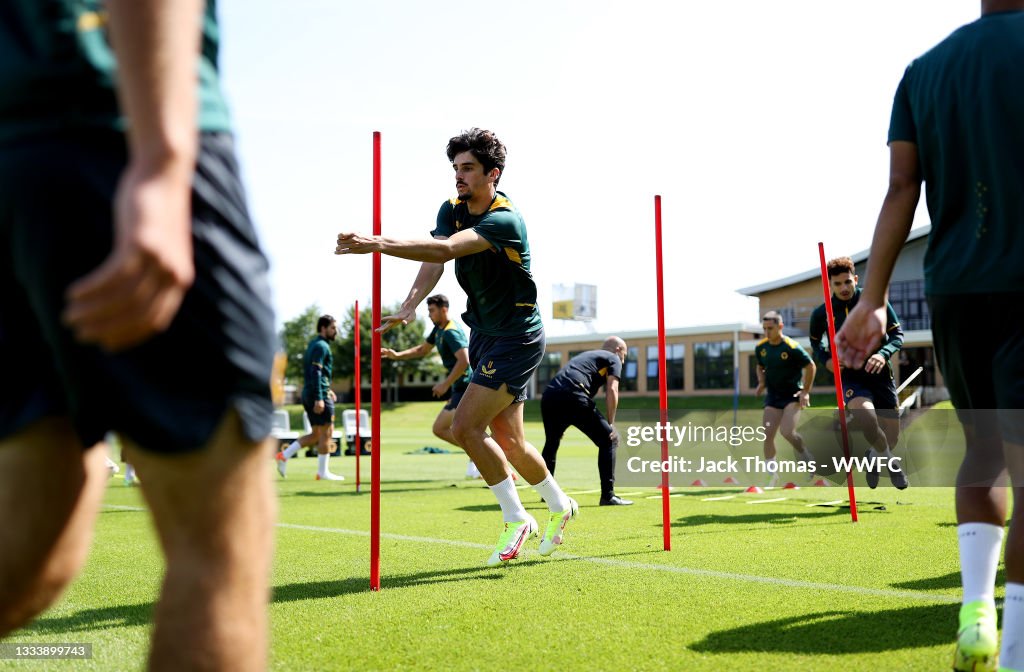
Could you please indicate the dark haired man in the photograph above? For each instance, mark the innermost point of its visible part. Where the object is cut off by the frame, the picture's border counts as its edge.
(485, 235)
(452, 345)
(870, 392)
(131, 270)
(318, 401)
(956, 125)
(785, 374)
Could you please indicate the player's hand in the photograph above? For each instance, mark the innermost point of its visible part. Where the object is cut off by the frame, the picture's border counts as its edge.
(355, 243)
(334, 397)
(439, 390)
(861, 334)
(403, 316)
(805, 399)
(318, 406)
(137, 290)
(388, 353)
(760, 390)
(614, 435)
(875, 363)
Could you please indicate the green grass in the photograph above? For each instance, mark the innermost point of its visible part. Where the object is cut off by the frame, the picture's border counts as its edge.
(775, 586)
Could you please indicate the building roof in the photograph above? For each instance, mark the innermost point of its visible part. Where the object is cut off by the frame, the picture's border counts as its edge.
(653, 333)
(757, 290)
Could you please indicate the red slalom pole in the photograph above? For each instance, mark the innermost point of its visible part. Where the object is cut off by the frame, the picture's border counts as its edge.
(840, 400)
(359, 390)
(666, 514)
(375, 382)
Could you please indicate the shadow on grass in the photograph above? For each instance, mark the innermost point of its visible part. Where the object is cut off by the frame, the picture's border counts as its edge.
(105, 618)
(951, 580)
(315, 590)
(839, 632)
(777, 518)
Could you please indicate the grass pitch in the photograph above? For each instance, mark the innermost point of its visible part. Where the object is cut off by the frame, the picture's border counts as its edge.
(750, 583)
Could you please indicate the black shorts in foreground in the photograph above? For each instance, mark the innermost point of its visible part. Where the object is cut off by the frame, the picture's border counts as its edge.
(878, 388)
(773, 399)
(325, 417)
(169, 394)
(506, 360)
(983, 368)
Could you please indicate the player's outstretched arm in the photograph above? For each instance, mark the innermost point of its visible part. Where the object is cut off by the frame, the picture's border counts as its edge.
(137, 290)
(425, 281)
(436, 251)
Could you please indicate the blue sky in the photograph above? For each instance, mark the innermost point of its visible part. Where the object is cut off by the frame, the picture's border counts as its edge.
(762, 125)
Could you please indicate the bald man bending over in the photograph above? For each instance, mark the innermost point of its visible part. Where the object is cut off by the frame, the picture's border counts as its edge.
(569, 400)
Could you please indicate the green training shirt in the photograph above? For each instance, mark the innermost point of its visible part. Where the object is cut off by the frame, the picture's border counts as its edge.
(501, 295)
(317, 364)
(448, 340)
(783, 365)
(57, 70)
(962, 105)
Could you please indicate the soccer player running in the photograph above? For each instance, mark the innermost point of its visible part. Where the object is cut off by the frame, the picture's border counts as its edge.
(569, 400)
(486, 236)
(135, 299)
(452, 345)
(785, 374)
(318, 401)
(957, 125)
(870, 391)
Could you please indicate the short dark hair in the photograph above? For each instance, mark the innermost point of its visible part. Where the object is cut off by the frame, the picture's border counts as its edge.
(772, 315)
(841, 265)
(439, 300)
(485, 147)
(324, 321)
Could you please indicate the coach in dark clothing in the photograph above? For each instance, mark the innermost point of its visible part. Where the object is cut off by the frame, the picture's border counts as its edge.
(569, 400)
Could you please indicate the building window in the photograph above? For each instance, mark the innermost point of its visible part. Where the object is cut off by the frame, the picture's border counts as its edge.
(549, 366)
(911, 306)
(674, 360)
(630, 371)
(713, 365)
(573, 353)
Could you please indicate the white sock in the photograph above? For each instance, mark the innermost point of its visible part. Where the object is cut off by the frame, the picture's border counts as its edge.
(290, 451)
(979, 555)
(508, 499)
(129, 472)
(321, 465)
(552, 494)
(1011, 655)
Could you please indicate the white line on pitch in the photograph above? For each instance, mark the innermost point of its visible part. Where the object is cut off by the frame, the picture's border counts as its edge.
(766, 501)
(626, 564)
(718, 499)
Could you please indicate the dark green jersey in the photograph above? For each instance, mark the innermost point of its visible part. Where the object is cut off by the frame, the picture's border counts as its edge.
(962, 104)
(818, 332)
(57, 70)
(783, 364)
(317, 364)
(448, 340)
(501, 295)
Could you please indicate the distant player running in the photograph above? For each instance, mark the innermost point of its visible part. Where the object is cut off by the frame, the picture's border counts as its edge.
(785, 374)
(452, 345)
(872, 386)
(318, 401)
(486, 236)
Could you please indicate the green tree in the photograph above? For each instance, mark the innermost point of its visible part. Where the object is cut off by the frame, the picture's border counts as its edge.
(401, 337)
(295, 336)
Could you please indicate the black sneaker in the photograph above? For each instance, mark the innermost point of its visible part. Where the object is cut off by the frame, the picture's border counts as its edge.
(898, 478)
(615, 500)
(871, 474)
